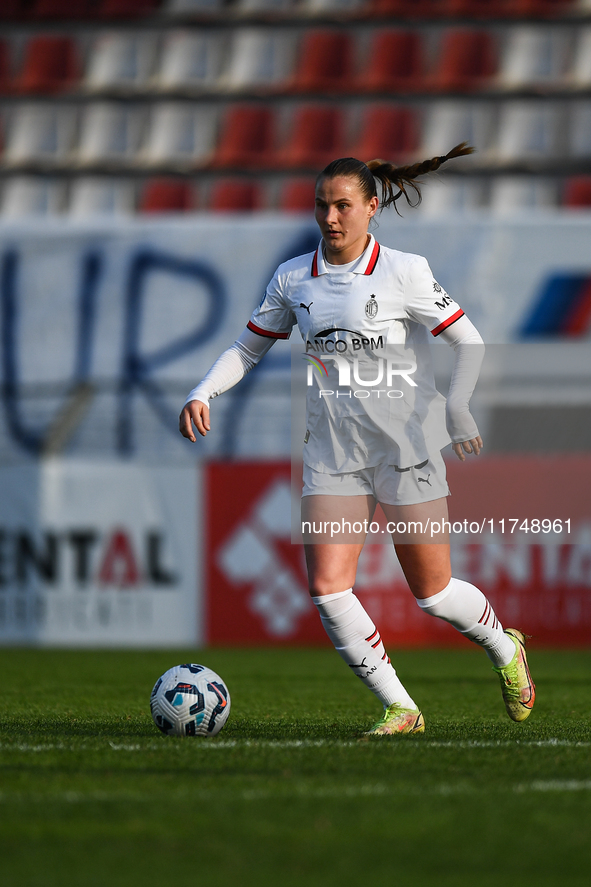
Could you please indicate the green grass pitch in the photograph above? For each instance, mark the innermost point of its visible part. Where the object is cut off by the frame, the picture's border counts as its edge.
(287, 794)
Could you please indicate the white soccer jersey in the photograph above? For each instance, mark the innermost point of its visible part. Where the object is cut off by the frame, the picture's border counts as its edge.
(378, 317)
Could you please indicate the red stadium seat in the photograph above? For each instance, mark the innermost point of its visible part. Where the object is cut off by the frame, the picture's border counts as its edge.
(325, 62)
(467, 60)
(50, 65)
(406, 9)
(316, 138)
(395, 62)
(64, 9)
(387, 132)
(13, 9)
(4, 67)
(232, 195)
(541, 8)
(477, 8)
(127, 8)
(247, 137)
(577, 193)
(297, 195)
(167, 195)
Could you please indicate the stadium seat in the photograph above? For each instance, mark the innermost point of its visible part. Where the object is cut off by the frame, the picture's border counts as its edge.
(579, 74)
(401, 8)
(579, 129)
(297, 195)
(109, 133)
(259, 58)
(167, 196)
(317, 7)
(475, 8)
(249, 6)
(187, 7)
(190, 60)
(5, 80)
(233, 195)
(538, 8)
(316, 138)
(444, 196)
(324, 63)
(40, 133)
(64, 9)
(527, 130)
(121, 60)
(387, 131)
(181, 134)
(50, 65)
(127, 8)
(24, 196)
(577, 193)
(13, 9)
(514, 194)
(91, 197)
(533, 55)
(247, 137)
(467, 60)
(394, 62)
(448, 122)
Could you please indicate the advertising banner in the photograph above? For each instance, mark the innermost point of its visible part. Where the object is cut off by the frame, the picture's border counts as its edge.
(535, 567)
(98, 554)
(106, 326)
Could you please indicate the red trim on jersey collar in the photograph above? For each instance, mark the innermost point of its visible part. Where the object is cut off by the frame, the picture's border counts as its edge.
(443, 326)
(373, 260)
(267, 333)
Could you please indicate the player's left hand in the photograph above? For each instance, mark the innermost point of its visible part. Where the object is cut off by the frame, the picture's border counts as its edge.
(467, 446)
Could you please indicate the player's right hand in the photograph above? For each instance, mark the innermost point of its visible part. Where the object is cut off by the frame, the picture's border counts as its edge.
(194, 413)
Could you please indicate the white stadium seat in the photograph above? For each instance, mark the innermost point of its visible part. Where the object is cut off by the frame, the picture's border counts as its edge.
(259, 57)
(109, 132)
(512, 194)
(449, 122)
(25, 196)
(528, 130)
(443, 196)
(579, 130)
(91, 197)
(248, 6)
(190, 60)
(579, 74)
(40, 132)
(180, 133)
(534, 56)
(121, 60)
(186, 7)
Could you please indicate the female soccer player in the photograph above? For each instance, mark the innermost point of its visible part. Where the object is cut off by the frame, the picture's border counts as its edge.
(353, 293)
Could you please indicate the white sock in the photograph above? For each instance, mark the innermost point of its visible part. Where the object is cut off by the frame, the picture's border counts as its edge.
(465, 607)
(358, 641)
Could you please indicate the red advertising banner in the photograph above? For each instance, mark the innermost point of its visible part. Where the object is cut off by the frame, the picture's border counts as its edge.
(256, 588)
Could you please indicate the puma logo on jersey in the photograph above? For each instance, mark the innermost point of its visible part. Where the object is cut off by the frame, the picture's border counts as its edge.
(424, 480)
(307, 307)
(362, 664)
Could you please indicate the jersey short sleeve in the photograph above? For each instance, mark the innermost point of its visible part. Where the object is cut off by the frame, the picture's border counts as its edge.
(426, 301)
(273, 318)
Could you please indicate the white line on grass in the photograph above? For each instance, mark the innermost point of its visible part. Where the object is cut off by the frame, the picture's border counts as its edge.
(222, 744)
(303, 791)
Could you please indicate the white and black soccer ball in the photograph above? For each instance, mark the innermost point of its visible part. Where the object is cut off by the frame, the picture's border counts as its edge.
(190, 700)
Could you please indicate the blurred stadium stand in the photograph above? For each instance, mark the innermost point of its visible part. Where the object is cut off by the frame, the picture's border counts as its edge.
(103, 94)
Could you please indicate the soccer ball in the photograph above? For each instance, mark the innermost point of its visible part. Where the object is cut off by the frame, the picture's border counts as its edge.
(190, 700)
